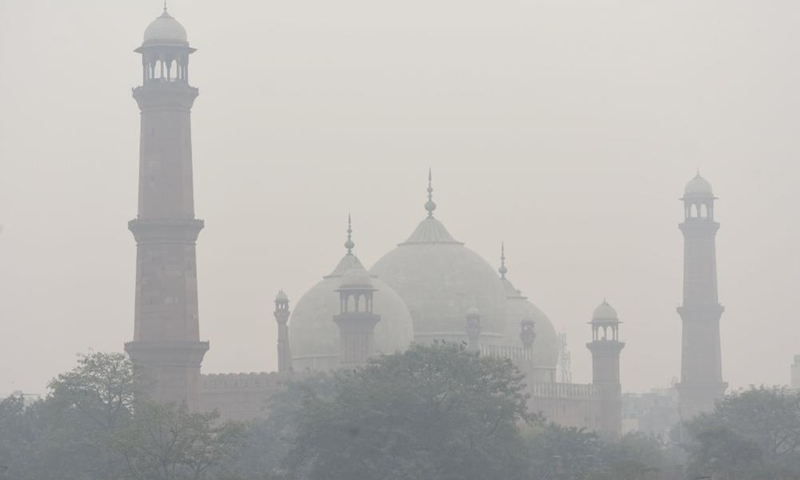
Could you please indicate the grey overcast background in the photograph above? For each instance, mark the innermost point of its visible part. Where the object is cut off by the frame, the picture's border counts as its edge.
(566, 128)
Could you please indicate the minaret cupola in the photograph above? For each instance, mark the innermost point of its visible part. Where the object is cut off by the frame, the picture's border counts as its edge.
(165, 51)
(698, 199)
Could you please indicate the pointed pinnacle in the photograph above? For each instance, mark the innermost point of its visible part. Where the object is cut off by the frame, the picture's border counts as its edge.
(503, 270)
(430, 205)
(349, 243)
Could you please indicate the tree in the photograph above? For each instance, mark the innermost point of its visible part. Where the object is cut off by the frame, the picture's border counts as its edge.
(268, 440)
(89, 428)
(102, 388)
(67, 435)
(434, 412)
(564, 453)
(20, 430)
(634, 456)
(567, 453)
(753, 433)
(167, 442)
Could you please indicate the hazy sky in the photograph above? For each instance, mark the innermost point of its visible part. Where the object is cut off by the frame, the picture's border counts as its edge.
(566, 128)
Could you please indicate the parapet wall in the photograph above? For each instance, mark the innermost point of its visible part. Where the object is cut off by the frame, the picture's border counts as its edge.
(516, 354)
(568, 404)
(239, 396)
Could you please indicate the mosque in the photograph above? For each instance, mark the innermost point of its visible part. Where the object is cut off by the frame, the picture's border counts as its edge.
(425, 289)
(431, 287)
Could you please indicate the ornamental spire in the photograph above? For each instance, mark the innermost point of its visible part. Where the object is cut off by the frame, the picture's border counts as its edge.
(430, 205)
(349, 244)
(503, 270)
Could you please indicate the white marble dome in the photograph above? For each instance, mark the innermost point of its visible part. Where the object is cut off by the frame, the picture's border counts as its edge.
(314, 338)
(440, 280)
(165, 30)
(698, 186)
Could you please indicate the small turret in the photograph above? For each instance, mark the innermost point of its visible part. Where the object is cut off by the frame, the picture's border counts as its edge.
(356, 319)
(606, 347)
(282, 318)
(527, 333)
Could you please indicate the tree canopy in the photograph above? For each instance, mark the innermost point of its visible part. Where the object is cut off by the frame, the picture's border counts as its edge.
(436, 412)
(89, 428)
(754, 433)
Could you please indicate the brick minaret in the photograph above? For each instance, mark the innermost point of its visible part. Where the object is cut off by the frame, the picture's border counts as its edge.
(166, 341)
(606, 348)
(282, 317)
(356, 319)
(701, 359)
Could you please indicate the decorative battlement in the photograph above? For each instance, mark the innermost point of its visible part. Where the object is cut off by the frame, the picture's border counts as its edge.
(564, 390)
(256, 381)
(516, 354)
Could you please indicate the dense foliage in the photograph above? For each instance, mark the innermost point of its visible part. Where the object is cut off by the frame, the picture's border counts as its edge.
(435, 412)
(88, 428)
(751, 434)
(560, 453)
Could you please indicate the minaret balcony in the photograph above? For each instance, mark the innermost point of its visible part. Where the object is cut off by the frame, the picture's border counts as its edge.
(165, 230)
(160, 93)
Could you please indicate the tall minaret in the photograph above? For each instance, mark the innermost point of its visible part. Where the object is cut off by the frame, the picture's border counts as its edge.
(282, 317)
(701, 360)
(166, 341)
(606, 348)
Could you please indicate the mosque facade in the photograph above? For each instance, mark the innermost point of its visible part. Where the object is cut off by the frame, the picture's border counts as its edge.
(430, 287)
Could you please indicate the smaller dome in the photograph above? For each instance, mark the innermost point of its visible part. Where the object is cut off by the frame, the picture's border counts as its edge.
(281, 297)
(698, 186)
(356, 277)
(165, 30)
(473, 312)
(604, 312)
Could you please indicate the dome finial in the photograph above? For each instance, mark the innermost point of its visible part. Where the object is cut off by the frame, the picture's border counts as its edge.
(165, 5)
(503, 270)
(349, 243)
(430, 205)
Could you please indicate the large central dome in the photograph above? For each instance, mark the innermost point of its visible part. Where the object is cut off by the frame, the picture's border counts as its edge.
(440, 280)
